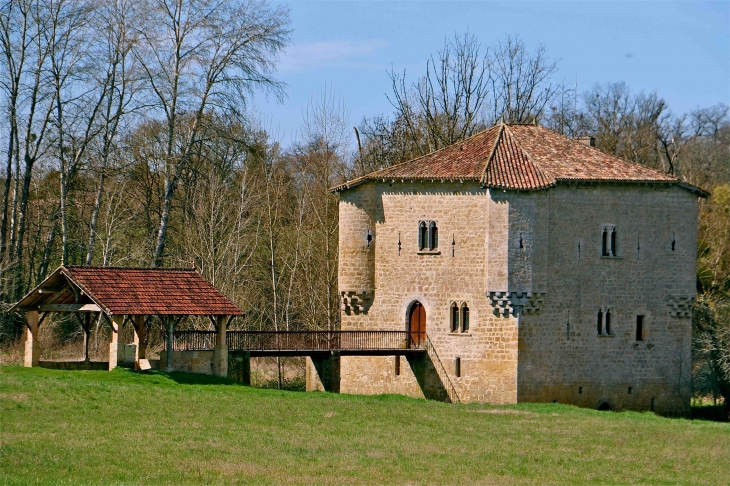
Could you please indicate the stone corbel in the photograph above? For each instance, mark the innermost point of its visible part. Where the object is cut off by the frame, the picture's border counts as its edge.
(516, 303)
(357, 302)
(680, 305)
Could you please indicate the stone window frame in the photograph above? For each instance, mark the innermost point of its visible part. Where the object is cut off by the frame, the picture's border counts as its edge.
(454, 318)
(609, 241)
(464, 312)
(459, 318)
(428, 237)
(604, 322)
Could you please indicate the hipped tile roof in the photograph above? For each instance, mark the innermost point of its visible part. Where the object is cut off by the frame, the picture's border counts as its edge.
(139, 291)
(519, 157)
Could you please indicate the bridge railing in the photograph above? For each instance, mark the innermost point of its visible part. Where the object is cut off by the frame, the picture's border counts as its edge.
(193, 340)
(300, 340)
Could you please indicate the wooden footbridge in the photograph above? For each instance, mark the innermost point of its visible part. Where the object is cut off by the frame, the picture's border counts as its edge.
(130, 295)
(307, 343)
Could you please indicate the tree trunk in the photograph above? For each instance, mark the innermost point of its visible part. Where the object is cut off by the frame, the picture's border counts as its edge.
(20, 235)
(6, 192)
(43, 266)
(95, 218)
(164, 221)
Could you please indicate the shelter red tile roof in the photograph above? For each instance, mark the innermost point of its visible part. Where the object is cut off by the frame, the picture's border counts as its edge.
(138, 291)
(519, 157)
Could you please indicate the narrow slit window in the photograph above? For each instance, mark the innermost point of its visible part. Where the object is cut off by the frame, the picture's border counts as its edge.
(457, 367)
(465, 318)
(397, 366)
(639, 328)
(599, 322)
(604, 250)
(608, 322)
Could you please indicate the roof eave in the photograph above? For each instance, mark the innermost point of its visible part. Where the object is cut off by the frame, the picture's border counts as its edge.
(69, 275)
(698, 191)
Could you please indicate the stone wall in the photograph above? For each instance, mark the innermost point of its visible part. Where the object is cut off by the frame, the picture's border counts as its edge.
(453, 274)
(191, 361)
(530, 261)
(562, 356)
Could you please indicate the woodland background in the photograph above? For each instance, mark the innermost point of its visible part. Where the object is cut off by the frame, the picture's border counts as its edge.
(129, 139)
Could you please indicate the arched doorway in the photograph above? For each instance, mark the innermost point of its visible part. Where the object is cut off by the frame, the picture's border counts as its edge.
(417, 323)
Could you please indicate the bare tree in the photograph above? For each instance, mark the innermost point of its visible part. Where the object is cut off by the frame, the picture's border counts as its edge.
(27, 44)
(221, 229)
(445, 105)
(711, 343)
(120, 84)
(205, 56)
(320, 162)
(675, 133)
(521, 87)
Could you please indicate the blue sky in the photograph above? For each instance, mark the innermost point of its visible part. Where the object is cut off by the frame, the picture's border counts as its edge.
(681, 50)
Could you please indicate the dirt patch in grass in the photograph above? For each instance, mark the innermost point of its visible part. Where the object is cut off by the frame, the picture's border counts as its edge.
(16, 397)
(501, 411)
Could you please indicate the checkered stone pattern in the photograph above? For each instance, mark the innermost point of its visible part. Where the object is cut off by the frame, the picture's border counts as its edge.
(680, 305)
(354, 301)
(516, 303)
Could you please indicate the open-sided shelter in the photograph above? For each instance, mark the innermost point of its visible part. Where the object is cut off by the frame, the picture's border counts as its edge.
(132, 293)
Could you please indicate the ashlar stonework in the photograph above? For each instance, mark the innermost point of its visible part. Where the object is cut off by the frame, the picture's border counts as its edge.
(551, 316)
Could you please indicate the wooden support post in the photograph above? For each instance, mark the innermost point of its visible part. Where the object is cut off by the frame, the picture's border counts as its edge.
(116, 324)
(170, 324)
(220, 352)
(87, 332)
(32, 349)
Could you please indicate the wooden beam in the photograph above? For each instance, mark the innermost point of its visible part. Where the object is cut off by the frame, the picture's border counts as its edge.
(53, 290)
(65, 308)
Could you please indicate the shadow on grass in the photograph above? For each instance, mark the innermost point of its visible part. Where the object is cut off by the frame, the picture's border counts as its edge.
(714, 413)
(183, 378)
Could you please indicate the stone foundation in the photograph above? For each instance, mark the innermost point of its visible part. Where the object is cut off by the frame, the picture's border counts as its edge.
(191, 361)
(323, 373)
(75, 365)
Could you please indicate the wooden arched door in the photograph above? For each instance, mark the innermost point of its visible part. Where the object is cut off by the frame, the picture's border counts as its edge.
(417, 323)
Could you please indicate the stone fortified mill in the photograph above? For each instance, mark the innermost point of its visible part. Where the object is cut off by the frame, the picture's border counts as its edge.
(535, 267)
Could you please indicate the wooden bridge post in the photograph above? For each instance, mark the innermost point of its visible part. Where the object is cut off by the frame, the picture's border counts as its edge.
(220, 352)
(32, 349)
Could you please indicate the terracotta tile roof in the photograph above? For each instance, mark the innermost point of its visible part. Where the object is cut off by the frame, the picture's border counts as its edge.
(518, 157)
(510, 166)
(139, 291)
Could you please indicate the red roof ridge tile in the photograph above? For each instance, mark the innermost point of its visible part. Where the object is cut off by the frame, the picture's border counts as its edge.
(185, 269)
(493, 151)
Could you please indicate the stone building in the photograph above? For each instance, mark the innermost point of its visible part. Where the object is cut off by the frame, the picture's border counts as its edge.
(539, 268)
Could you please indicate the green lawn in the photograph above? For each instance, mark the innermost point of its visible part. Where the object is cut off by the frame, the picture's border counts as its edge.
(66, 427)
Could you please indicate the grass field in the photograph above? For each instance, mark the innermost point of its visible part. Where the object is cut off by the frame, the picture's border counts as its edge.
(64, 427)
